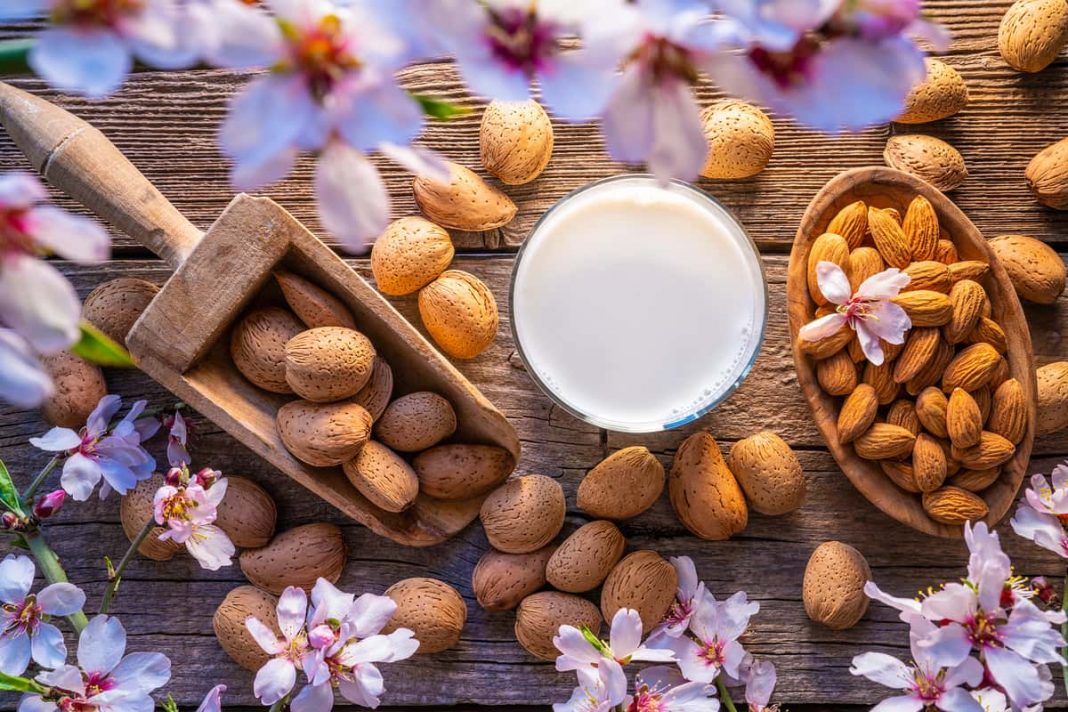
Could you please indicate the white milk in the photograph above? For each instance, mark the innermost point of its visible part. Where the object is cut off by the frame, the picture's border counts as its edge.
(638, 307)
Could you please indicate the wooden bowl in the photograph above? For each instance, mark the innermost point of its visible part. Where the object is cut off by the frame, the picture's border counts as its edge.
(884, 188)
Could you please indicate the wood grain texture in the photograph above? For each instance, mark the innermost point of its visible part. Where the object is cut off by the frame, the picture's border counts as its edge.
(167, 606)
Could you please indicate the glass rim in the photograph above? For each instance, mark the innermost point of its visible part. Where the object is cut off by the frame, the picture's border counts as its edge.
(632, 427)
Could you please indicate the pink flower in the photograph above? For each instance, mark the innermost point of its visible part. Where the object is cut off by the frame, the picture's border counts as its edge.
(24, 630)
(277, 677)
(1043, 513)
(188, 510)
(177, 439)
(760, 678)
(49, 504)
(213, 700)
(716, 627)
(869, 312)
(591, 694)
(689, 594)
(663, 689)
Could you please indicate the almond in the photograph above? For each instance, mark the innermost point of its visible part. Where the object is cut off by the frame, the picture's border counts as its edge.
(975, 480)
(622, 486)
(1035, 269)
(375, 396)
(964, 421)
(828, 247)
(1032, 33)
(932, 372)
(115, 305)
(297, 557)
(881, 378)
(409, 255)
(258, 347)
(769, 473)
(135, 509)
(826, 347)
(415, 422)
(967, 298)
(837, 375)
(584, 559)
(383, 477)
(328, 363)
(983, 398)
(857, 413)
(992, 450)
(77, 387)
(903, 414)
(946, 251)
(833, 587)
(864, 262)
(851, 222)
(988, 331)
(931, 408)
(228, 622)
(1052, 392)
(515, 140)
(312, 304)
(247, 513)
(954, 506)
(643, 581)
(462, 471)
(928, 158)
(940, 95)
(921, 347)
(1001, 373)
(930, 275)
(323, 434)
(465, 202)
(974, 270)
(921, 228)
(524, 514)
(740, 137)
(925, 307)
(889, 239)
(460, 313)
(704, 492)
(433, 610)
(1047, 175)
(500, 581)
(883, 441)
(971, 368)
(1008, 412)
(901, 474)
(540, 615)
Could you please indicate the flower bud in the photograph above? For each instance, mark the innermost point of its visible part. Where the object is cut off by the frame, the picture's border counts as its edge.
(1044, 591)
(49, 504)
(173, 477)
(321, 636)
(9, 520)
(207, 477)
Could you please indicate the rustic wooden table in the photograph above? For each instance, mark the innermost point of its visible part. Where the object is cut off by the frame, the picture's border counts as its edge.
(166, 123)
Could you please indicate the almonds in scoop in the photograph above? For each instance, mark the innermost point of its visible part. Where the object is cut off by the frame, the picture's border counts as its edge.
(383, 477)
(323, 434)
(462, 471)
(258, 347)
(311, 303)
(328, 363)
(376, 394)
(416, 422)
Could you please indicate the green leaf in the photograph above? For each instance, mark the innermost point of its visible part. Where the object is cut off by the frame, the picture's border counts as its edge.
(9, 495)
(14, 57)
(96, 347)
(11, 683)
(439, 108)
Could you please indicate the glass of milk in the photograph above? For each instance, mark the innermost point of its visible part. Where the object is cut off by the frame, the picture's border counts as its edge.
(636, 307)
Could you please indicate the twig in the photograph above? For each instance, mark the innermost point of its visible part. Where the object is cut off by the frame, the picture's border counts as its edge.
(52, 569)
(27, 496)
(724, 694)
(116, 575)
(279, 705)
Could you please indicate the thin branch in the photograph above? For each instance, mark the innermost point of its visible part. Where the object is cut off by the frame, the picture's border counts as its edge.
(27, 496)
(52, 570)
(724, 694)
(115, 576)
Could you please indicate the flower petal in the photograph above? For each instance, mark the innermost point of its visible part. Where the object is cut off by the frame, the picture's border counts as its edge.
(15, 654)
(39, 303)
(958, 700)
(884, 285)
(576, 87)
(67, 677)
(266, 638)
(20, 190)
(575, 650)
(869, 344)
(266, 118)
(101, 645)
(417, 160)
(1016, 676)
(370, 613)
(883, 669)
(24, 382)
(213, 700)
(366, 688)
(80, 476)
(833, 282)
(274, 681)
(16, 578)
(352, 200)
(901, 703)
(81, 60)
(61, 599)
(57, 440)
(626, 633)
(210, 546)
(35, 703)
(314, 698)
(366, 115)
(69, 236)
(292, 611)
(888, 321)
(142, 673)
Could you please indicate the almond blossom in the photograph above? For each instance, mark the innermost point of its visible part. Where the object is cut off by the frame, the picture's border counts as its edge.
(102, 450)
(213, 700)
(591, 694)
(25, 632)
(760, 678)
(689, 593)
(664, 689)
(714, 647)
(187, 505)
(869, 312)
(24, 382)
(1044, 510)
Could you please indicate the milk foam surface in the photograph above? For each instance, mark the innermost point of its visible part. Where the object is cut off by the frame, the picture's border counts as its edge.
(638, 305)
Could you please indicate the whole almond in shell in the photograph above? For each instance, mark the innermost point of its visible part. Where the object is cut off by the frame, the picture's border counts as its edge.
(500, 581)
(433, 610)
(376, 394)
(925, 307)
(115, 305)
(228, 622)
(991, 451)
(928, 463)
(415, 422)
(584, 559)
(740, 137)
(77, 387)
(838, 374)
(858, 413)
(883, 441)
(864, 262)
(1052, 392)
(540, 615)
(136, 508)
(311, 303)
(921, 228)
(1032, 33)
(928, 274)
(946, 251)
(643, 581)
(901, 474)
(920, 348)
(383, 477)
(988, 331)
(974, 270)
(462, 471)
(1047, 175)
(464, 202)
(964, 420)
(928, 158)
(881, 378)
(323, 434)
(828, 247)
(297, 557)
(890, 238)
(833, 587)
(247, 513)
(409, 255)
(975, 480)
(768, 472)
(258, 347)
(971, 368)
(524, 514)
(622, 486)
(703, 491)
(968, 299)
(515, 140)
(902, 413)
(851, 222)
(940, 95)
(328, 363)
(1009, 412)
(1035, 269)
(460, 313)
(954, 506)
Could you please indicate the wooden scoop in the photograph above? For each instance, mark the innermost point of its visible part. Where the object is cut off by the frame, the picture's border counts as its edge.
(182, 338)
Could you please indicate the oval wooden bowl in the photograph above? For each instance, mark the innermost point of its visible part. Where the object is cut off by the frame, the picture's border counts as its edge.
(884, 188)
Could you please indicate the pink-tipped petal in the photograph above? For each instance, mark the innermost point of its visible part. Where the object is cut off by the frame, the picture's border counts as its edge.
(823, 327)
(352, 200)
(833, 282)
(884, 285)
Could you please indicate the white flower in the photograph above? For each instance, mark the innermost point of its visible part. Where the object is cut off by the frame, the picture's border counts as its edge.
(213, 700)
(716, 627)
(188, 510)
(24, 382)
(663, 689)
(869, 312)
(688, 595)
(760, 678)
(581, 649)
(276, 678)
(105, 679)
(24, 632)
(1043, 511)
(591, 694)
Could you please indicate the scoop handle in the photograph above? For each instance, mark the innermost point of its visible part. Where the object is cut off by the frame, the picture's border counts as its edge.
(79, 160)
